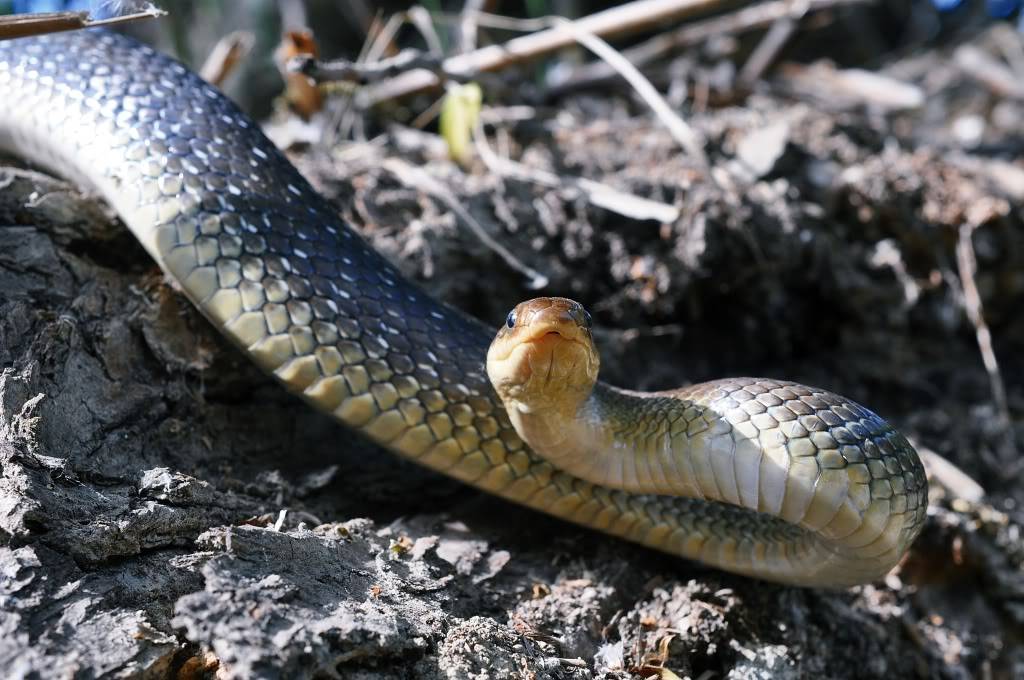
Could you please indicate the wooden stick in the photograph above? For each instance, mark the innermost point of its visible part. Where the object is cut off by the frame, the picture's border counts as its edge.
(24, 25)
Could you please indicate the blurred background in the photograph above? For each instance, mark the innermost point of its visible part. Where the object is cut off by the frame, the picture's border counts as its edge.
(341, 28)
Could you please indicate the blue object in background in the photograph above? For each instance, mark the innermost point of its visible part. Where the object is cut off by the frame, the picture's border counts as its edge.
(997, 9)
(98, 8)
(1000, 9)
(49, 5)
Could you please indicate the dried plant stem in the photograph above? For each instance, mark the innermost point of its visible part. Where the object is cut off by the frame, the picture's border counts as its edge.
(417, 178)
(677, 127)
(772, 43)
(967, 265)
(24, 25)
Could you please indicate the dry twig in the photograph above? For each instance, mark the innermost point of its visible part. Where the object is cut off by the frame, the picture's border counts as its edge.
(772, 43)
(344, 70)
(948, 475)
(24, 25)
(466, 28)
(362, 71)
(838, 89)
(420, 18)
(677, 127)
(416, 178)
(381, 39)
(967, 265)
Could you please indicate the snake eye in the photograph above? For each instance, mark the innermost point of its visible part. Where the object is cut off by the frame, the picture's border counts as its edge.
(588, 321)
(510, 320)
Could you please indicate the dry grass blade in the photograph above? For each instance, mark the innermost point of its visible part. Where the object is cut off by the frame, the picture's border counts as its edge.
(949, 476)
(420, 18)
(838, 89)
(772, 43)
(967, 264)
(466, 28)
(677, 127)
(416, 178)
(25, 25)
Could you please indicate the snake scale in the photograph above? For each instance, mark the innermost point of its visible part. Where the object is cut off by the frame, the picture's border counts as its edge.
(794, 484)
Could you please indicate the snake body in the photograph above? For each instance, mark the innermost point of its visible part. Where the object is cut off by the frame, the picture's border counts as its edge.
(273, 267)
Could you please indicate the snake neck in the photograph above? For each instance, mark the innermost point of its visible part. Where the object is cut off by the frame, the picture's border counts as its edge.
(819, 463)
(616, 438)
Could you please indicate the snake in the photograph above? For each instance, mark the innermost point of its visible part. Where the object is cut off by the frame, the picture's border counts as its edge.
(763, 478)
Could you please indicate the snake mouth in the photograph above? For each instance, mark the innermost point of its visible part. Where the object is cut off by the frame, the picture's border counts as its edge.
(541, 339)
(548, 347)
(547, 356)
(530, 361)
(544, 343)
(545, 336)
(550, 336)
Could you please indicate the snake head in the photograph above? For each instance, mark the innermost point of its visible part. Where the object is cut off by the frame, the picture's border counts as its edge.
(543, 356)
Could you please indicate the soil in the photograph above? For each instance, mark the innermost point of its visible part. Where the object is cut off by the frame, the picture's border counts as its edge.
(168, 511)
